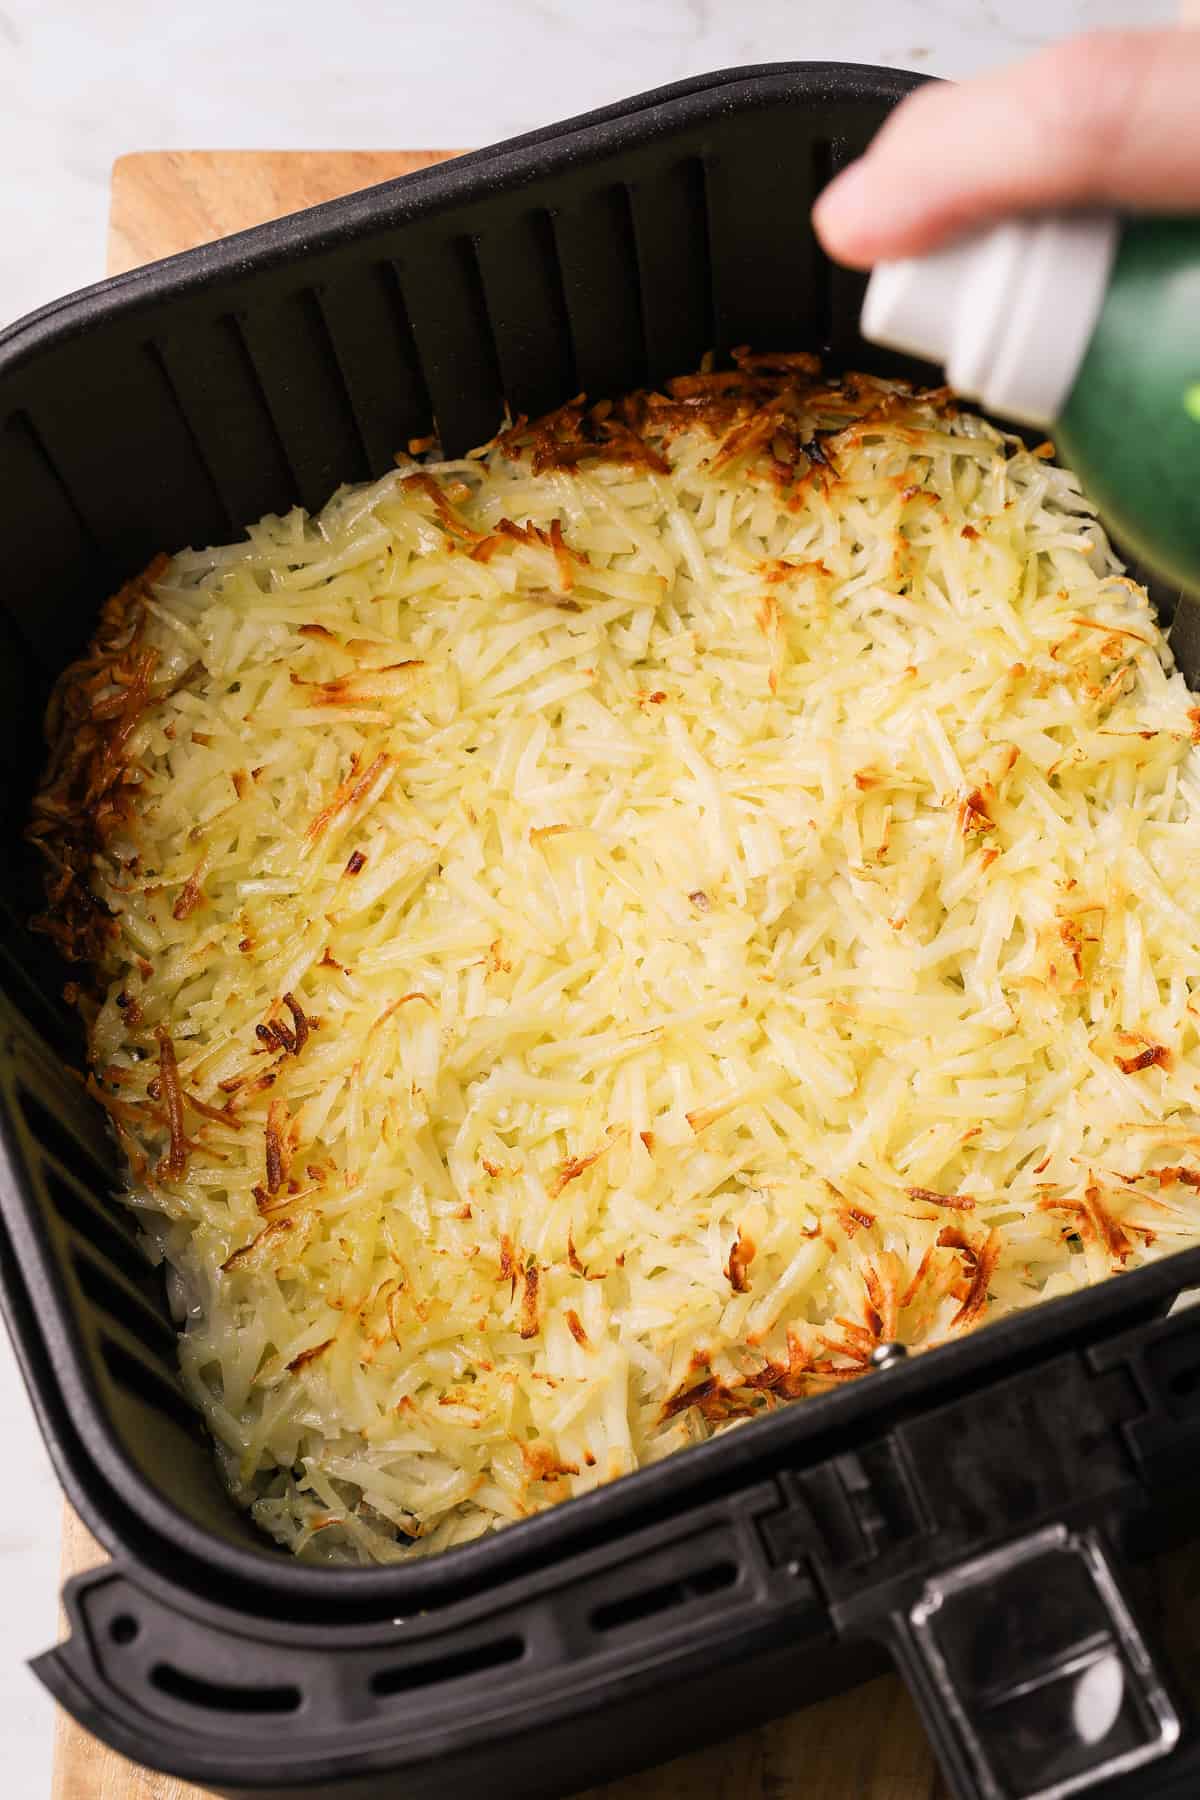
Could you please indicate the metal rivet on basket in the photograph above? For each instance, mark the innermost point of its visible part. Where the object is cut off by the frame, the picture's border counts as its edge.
(888, 1356)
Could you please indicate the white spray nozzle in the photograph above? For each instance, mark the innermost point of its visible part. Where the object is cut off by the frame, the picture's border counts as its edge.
(1008, 312)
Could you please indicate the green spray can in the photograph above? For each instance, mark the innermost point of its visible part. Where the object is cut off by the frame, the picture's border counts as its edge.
(1087, 325)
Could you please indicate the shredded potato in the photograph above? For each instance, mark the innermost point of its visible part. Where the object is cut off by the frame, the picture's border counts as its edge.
(592, 938)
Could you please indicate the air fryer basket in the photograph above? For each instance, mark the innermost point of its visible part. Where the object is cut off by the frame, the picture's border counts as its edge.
(965, 1512)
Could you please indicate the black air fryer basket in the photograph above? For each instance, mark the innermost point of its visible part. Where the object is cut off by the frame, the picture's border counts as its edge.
(967, 1513)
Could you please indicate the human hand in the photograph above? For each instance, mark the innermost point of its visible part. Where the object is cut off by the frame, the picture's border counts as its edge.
(1107, 119)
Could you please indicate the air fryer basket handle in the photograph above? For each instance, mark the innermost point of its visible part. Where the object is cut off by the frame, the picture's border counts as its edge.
(1034, 1677)
(988, 1560)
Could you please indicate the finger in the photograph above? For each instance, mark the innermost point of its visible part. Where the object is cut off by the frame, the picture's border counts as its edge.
(1106, 119)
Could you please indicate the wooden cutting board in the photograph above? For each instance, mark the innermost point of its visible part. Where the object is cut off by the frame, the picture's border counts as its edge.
(865, 1745)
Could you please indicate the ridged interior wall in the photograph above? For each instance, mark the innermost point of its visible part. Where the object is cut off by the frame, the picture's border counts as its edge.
(274, 386)
(88, 1245)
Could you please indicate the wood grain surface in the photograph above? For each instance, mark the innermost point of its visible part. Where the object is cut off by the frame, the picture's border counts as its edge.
(169, 200)
(865, 1745)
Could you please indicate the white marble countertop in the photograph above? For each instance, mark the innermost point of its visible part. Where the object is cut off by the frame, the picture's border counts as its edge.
(84, 83)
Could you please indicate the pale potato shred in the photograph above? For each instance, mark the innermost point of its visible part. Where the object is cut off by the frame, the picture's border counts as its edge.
(597, 935)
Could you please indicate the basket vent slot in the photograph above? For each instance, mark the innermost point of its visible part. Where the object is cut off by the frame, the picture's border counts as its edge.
(30, 972)
(97, 1227)
(153, 1390)
(822, 166)
(669, 218)
(67, 495)
(238, 442)
(223, 1696)
(303, 392)
(54, 567)
(372, 342)
(664, 1598)
(124, 1304)
(596, 247)
(77, 1157)
(472, 1661)
(527, 312)
(240, 331)
(223, 519)
(441, 286)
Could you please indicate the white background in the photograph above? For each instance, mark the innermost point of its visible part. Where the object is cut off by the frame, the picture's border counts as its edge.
(84, 81)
